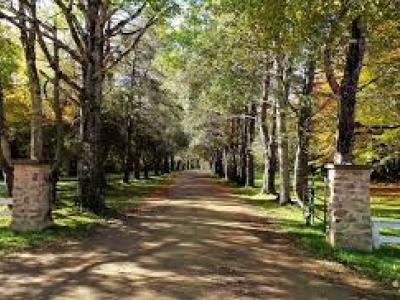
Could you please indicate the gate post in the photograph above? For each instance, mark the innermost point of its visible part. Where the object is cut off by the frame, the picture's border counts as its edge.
(349, 218)
(31, 194)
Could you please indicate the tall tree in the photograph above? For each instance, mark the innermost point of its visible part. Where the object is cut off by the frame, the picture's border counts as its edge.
(27, 9)
(346, 91)
(251, 122)
(282, 91)
(304, 114)
(267, 133)
(58, 112)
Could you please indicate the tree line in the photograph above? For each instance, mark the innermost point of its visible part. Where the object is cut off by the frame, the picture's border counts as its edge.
(136, 86)
(95, 93)
(284, 79)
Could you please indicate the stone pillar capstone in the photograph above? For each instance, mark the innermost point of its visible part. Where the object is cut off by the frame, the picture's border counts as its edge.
(31, 194)
(349, 218)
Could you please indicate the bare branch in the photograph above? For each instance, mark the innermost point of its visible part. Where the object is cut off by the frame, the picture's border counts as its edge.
(46, 30)
(66, 92)
(134, 43)
(329, 71)
(73, 23)
(52, 62)
(120, 25)
(328, 64)
(377, 126)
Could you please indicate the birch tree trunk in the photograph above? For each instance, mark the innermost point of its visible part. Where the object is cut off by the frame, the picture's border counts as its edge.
(233, 167)
(267, 135)
(301, 170)
(28, 40)
(250, 133)
(272, 163)
(283, 86)
(243, 151)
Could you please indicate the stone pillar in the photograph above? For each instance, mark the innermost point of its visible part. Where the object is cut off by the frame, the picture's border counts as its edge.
(349, 219)
(31, 194)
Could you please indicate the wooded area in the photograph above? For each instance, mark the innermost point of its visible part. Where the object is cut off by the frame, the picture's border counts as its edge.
(95, 95)
(316, 78)
(291, 109)
(133, 86)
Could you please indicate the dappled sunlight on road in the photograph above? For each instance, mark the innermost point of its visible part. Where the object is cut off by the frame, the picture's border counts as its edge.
(192, 240)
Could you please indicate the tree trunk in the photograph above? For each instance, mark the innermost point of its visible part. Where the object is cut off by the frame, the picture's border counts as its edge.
(348, 93)
(90, 169)
(58, 112)
(129, 156)
(226, 163)
(127, 174)
(233, 173)
(232, 160)
(264, 132)
(219, 166)
(272, 163)
(5, 156)
(267, 134)
(243, 151)
(157, 167)
(28, 40)
(172, 162)
(282, 134)
(250, 132)
(301, 170)
(127, 167)
(136, 165)
(91, 174)
(166, 164)
(129, 153)
(145, 169)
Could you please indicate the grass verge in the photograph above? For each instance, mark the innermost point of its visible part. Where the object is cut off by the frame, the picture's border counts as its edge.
(69, 221)
(382, 264)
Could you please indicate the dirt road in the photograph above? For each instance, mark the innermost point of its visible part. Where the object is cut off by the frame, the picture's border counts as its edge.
(192, 240)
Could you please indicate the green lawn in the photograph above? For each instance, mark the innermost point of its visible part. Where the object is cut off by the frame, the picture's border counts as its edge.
(69, 221)
(382, 264)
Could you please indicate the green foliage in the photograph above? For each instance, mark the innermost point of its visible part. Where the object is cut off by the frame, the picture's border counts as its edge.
(10, 53)
(218, 51)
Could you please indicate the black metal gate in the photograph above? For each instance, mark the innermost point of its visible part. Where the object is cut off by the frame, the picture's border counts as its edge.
(315, 205)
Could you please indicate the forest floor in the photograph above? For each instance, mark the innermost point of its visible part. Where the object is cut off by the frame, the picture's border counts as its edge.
(190, 240)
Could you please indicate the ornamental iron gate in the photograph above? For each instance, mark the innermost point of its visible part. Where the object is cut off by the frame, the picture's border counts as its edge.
(315, 202)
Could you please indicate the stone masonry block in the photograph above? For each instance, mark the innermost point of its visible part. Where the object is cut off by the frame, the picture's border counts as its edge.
(31, 209)
(349, 211)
